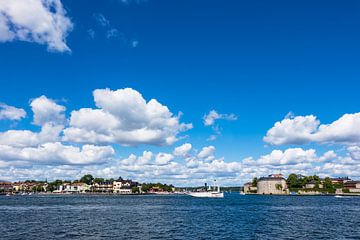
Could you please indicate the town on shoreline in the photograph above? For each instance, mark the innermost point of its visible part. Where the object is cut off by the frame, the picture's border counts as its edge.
(85, 185)
(274, 184)
(296, 184)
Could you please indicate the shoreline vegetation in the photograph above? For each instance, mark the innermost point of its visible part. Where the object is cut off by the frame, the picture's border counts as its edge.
(296, 184)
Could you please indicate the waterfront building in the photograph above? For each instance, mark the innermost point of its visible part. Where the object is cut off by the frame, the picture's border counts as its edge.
(75, 187)
(249, 188)
(122, 186)
(352, 186)
(103, 186)
(340, 180)
(25, 186)
(312, 184)
(5, 186)
(273, 184)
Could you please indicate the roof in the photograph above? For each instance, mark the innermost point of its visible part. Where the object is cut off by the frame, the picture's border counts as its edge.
(105, 183)
(5, 183)
(78, 184)
(340, 179)
(352, 182)
(270, 179)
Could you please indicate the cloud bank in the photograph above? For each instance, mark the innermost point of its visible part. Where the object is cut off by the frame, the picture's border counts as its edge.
(124, 117)
(40, 21)
(306, 129)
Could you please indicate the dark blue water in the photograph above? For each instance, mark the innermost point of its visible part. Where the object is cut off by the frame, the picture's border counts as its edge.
(179, 217)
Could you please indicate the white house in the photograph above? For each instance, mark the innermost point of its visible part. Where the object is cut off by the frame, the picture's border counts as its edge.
(123, 186)
(73, 188)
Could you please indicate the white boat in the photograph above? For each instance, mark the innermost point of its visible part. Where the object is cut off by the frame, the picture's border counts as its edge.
(213, 194)
(242, 193)
(210, 193)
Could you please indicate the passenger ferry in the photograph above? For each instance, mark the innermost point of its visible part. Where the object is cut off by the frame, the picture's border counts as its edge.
(211, 192)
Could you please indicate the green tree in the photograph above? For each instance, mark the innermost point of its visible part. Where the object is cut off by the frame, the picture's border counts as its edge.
(88, 178)
(135, 190)
(254, 181)
(328, 184)
(295, 181)
(98, 180)
(54, 185)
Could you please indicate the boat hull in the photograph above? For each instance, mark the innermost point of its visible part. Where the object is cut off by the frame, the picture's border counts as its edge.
(207, 194)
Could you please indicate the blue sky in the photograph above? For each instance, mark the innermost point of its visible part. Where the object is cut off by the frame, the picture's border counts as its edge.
(257, 60)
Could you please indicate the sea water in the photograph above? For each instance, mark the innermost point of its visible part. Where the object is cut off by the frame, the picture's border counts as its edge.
(179, 217)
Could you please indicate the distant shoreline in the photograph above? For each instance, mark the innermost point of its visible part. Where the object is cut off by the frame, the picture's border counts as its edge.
(95, 194)
(180, 194)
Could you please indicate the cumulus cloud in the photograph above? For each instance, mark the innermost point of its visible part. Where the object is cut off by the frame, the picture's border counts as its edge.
(47, 114)
(305, 129)
(27, 138)
(354, 152)
(46, 111)
(207, 153)
(189, 170)
(11, 113)
(182, 150)
(292, 158)
(126, 118)
(163, 158)
(213, 116)
(141, 160)
(289, 156)
(57, 153)
(39, 21)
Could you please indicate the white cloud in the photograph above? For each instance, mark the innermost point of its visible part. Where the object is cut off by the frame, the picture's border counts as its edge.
(47, 114)
(46, 111)
(289, 156)
(57, 154)
(185, 171)
(207, 153)
(141, 160)
(305, 129)
(126, 119)
(182, 150)
(328, 156)
(163, 158)
(354, 152)
(26, 138)
(39, 21)
(212, 116)
(11, 113)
